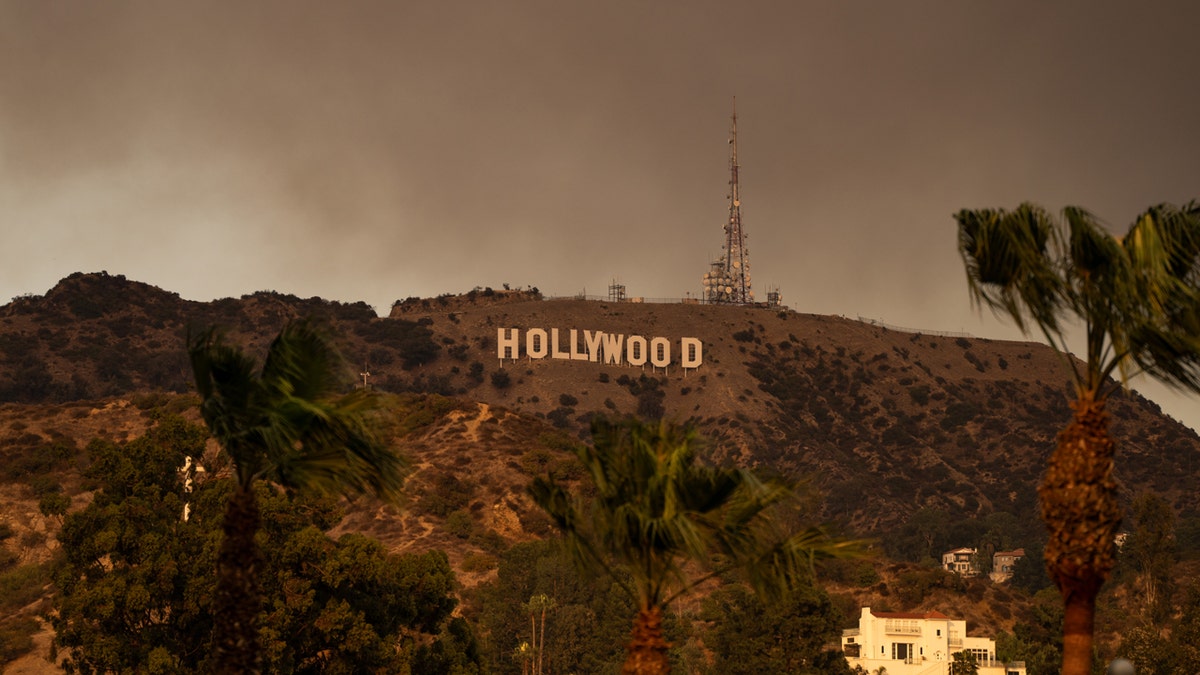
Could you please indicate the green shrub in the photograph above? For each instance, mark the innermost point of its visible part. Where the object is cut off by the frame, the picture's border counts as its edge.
(536, 460)
(446, 494)
(475, 371)
(44, 485)
(477, 562)
(560, 417)
(16, 638)
(501, 379)
(556, 440)
(460, 524)
(54, 504)
(21, 586)
(919, 394)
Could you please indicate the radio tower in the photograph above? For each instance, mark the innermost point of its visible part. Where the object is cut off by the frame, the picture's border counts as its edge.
(728, 279)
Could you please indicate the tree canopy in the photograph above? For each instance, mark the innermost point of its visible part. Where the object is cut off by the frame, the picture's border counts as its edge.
(135, 588)
(288, 424)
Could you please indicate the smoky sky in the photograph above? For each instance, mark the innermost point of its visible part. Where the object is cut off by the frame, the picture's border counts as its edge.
(379, 150)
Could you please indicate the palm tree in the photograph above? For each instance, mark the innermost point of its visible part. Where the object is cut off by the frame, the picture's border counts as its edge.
(1138, 301)
(283, 425)
(539, 603)
(656, 513)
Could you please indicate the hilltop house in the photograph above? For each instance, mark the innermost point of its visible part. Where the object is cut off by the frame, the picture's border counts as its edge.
(964, 562)
(906, 643)
(1003, 563)
(961, 561)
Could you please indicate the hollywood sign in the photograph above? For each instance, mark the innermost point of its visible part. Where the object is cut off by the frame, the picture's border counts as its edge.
(597, 347)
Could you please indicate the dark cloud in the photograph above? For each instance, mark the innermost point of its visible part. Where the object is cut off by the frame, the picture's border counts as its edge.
(377, 150)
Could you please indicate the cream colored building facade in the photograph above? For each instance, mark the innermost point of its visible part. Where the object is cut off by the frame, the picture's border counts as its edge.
(907, 643)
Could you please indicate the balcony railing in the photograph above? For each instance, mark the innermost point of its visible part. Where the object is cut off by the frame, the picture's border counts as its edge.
(902, 627)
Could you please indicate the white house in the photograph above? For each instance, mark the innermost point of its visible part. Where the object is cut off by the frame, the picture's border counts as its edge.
(961, 561)
(906, 643)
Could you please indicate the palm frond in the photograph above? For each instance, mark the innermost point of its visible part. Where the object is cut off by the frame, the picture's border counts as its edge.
(1163, 321)
(1138, 296)
(1009, 263)
(656, 508)
(289, 423)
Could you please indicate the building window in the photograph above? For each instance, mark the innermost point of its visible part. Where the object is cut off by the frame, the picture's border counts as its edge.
(982, 656)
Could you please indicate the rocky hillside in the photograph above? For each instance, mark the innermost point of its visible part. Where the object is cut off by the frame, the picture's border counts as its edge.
(886, 422)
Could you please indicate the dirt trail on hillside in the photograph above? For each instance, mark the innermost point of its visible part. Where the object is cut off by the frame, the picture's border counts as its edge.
(37, 661)
(472, 431)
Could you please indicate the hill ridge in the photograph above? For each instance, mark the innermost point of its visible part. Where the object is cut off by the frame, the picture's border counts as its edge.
(886, 422)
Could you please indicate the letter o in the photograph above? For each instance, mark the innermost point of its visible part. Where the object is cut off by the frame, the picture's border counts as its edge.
(660, 352)
(536, 348)
(635, 357)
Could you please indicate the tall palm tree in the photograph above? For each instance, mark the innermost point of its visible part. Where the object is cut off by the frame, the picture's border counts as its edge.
(285, 425)
(656, 515)
(1137, 298)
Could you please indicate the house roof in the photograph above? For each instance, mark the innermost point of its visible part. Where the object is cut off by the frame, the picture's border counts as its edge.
(1016, 553)
(960, 550)
(909, 615)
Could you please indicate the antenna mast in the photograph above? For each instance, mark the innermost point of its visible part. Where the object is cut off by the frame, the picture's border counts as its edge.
(728, 280)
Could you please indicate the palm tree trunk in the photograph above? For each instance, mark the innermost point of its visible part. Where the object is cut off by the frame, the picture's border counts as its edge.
(542, 641)
(238, 600)
(1080, 509)
(533, 639)
(646, 653)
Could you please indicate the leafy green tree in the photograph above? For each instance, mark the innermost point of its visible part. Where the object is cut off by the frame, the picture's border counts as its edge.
(590, 620)
(135, 588)
(133, 571)
(1152, 652)
(284, 425)
(923, 537)
(1151, 550)
(456, 652)
(54, 504)
(655, 512)
(1029, 572)
(1185, 634)
(797, 636)
(1137, 300)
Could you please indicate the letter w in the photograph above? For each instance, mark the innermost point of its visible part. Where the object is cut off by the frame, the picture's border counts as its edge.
(612, 348)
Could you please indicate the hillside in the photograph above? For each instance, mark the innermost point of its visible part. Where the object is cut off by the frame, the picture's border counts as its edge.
(886, 422)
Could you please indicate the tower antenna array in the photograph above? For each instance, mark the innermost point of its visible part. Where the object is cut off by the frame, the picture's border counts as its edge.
(728, 279)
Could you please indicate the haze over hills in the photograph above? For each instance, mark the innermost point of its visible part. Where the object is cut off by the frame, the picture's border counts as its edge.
(884, 421)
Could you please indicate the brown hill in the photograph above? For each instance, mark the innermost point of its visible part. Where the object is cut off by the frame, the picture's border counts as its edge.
(886, 421)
